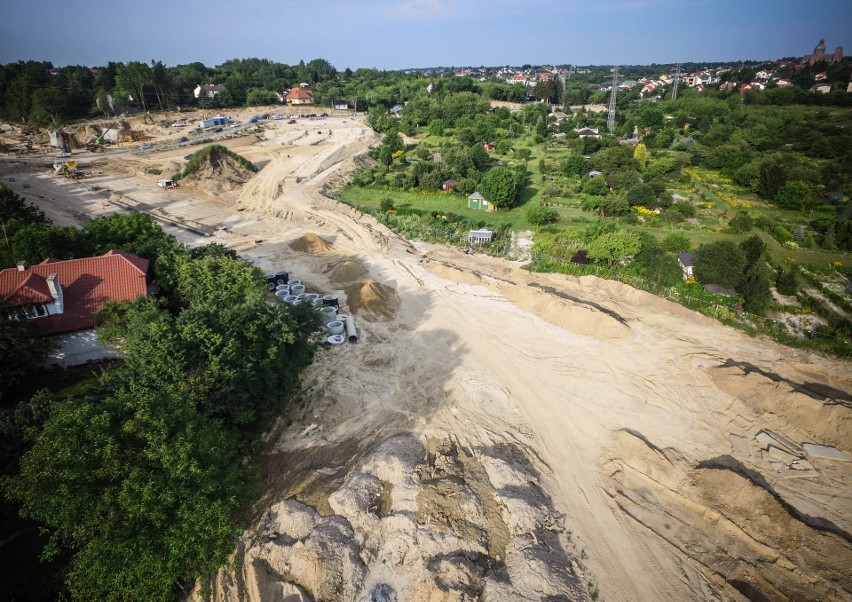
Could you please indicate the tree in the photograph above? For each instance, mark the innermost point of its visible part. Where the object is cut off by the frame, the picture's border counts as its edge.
(742, 222)
(720, 263)
(132, 79)
(20, 352)
(676, 242)
(754, 249)
(795, 194)
(258, 97)
(640, 155)
(755, 289)
(500, 186)
(574, 165)
(772, 177)
(613, 246)
(539, 215)
(641, 194)
(657, 264)
(596, 186)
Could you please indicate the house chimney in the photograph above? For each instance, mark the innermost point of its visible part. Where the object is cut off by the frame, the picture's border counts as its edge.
(55, 291)
(22, 266)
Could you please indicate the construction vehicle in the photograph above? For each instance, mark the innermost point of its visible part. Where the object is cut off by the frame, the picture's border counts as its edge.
(167, 184)
(68, 169)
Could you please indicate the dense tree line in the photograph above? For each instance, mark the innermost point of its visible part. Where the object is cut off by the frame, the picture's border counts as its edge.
(139, 479)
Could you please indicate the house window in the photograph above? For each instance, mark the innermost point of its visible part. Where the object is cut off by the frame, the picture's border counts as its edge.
(485, 203)
(28, 312)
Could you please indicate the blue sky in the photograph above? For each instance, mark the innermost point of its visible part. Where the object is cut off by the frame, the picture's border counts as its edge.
(394, 34)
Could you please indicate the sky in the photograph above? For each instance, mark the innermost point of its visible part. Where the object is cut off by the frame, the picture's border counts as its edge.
(399, 34)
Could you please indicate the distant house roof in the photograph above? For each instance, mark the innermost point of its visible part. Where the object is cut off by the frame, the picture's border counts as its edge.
(476, 196)
(299, 94)
(87, 284)
(686, 259)
(594, 173)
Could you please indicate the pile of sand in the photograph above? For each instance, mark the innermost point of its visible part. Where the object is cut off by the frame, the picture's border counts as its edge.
(218, 172)
(311, 243)
(346, 272)
(373, 300)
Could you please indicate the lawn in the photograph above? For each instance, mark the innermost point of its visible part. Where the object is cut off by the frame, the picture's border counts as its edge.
(438, 202)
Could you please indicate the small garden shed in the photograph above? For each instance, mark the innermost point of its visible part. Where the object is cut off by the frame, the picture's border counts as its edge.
(477, 201)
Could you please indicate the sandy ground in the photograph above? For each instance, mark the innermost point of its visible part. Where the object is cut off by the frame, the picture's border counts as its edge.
(502, 435)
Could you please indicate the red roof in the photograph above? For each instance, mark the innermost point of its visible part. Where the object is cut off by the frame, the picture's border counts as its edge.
(32, 289)
(87, 284)
(299, 94)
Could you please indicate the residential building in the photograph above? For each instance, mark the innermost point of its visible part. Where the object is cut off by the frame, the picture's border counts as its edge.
(299, 96)
(58, 296)
(213, 90)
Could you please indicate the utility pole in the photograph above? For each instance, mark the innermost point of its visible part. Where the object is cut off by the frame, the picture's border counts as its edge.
(610, 122)
(676, 82)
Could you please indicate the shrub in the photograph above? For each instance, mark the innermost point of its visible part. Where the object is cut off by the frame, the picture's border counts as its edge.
(742, 222)
(541, 215)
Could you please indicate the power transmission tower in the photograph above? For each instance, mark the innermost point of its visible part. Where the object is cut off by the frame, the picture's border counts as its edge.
(676, 82)
(610, 122)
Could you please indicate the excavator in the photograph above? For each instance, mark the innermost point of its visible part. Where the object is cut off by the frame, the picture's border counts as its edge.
(99, 143)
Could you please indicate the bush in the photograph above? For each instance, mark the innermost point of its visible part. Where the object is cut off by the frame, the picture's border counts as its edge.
(782, 234)
(386, 205)
(541, 215)
(742, 222)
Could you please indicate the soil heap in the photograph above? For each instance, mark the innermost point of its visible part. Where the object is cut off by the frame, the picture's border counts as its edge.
(373, 300)
(218, 172)
(311, 243)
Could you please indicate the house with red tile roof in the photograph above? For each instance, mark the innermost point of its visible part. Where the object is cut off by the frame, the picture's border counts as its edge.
(59, 296)
(299, 96)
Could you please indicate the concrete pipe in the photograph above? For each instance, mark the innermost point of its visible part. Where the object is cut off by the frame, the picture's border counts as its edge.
(292, 282)
(290, 299)
(297, 289)
(336, 339)
(297, 302)
(330, 300)
(327, 314)
(334, 327)
(317, 302)
(281, 295)
(282, 287)
(309, 298)
(351, 334)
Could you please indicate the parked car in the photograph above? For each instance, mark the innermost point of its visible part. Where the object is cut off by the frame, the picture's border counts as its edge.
(292, 121)
(63, 155)
(254, 119)
(11, 179)
(183, 139)
(145, 147)
(217, 130)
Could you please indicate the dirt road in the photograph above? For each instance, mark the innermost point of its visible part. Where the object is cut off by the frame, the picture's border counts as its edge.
(507, 435)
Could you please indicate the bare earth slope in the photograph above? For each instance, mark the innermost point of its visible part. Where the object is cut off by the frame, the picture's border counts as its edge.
(502, 435)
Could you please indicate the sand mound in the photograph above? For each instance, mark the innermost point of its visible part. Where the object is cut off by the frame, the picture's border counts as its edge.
(346, 272)
(218, 173)
(311, 243)
(373, 300)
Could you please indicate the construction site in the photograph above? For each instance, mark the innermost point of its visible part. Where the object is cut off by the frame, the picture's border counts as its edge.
(495, 434)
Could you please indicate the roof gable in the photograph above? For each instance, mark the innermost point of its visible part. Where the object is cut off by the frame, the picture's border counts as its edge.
(32, 289)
